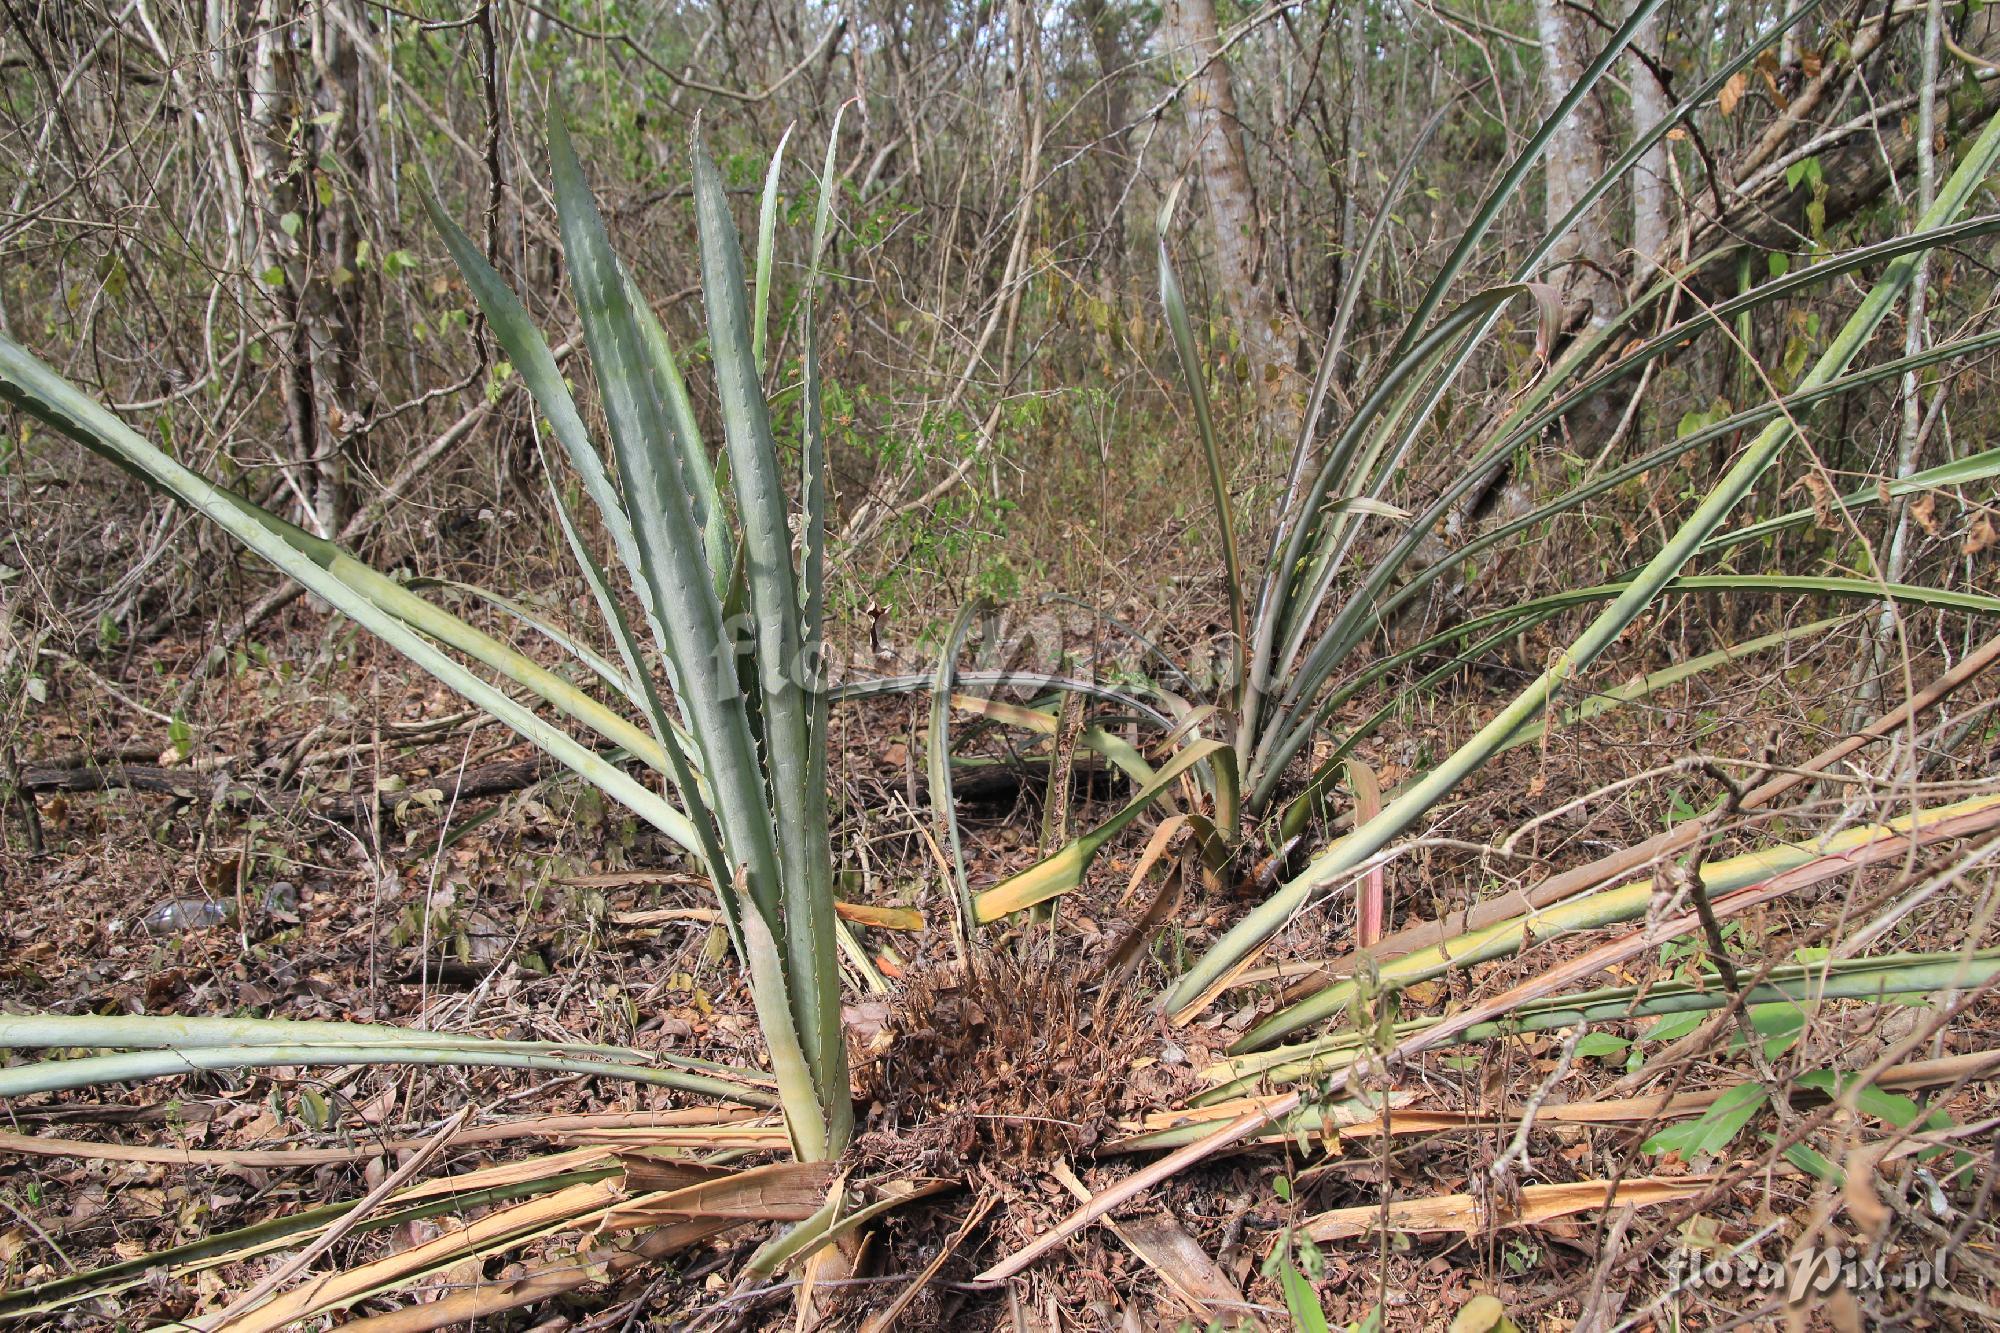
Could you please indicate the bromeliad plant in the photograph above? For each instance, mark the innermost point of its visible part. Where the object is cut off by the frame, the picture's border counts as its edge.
(1301, 618)
(735, 746)
(1299, 705)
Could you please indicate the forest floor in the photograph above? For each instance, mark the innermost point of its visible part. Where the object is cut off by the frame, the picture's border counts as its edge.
(524, 908)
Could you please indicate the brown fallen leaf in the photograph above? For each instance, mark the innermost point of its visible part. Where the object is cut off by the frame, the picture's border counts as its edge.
(645, 1175)
(574, 1206)
(1186, 1268)
(1770, 73)
(542, 1166)
(1824, 500)
(1156, 847)
(521, 1285)
(630, 879)
(1188, 1271)
(782, 1192)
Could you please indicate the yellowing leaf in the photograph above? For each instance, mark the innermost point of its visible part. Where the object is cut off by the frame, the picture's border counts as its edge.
(1481, 1314)
(1537, 1204)
(882, 918)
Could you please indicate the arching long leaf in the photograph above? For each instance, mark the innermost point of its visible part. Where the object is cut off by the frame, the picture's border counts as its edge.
(763, 509)
(678, 581)
(372, 600)
(1626, 902)
(529, 353)
(944, 804)
(1707, 518)
(767, 234)
(1372, 600)
(1863, 979)
(1195, 375)
(1065, 870)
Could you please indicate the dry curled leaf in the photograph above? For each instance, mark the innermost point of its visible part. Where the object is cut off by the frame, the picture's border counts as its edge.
(1732, 92)
(1924, 511)
(1771, 82)
(1823, 499)
(1548, 302)
(1979, 535)
(1864, 1201)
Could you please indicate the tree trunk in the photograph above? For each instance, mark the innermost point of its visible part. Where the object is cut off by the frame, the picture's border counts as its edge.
(1353, 59)
(307, 154)
(1652, 189)
(1573, 162)
(1270, 342)
(1104, 22)
(342, 174)
(1910, 437)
